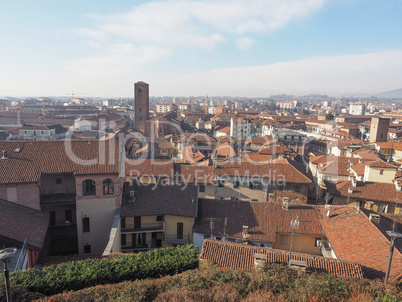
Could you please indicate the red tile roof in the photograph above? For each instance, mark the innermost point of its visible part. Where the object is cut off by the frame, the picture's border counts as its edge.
(379, 164)
(264, 219)
(355, 238)
(239, 256)
(18, 223)
(332, 158)
(359, 168)
(159, 200)
(334, 168)
(289, 172)
(36, 157)
(364, 190)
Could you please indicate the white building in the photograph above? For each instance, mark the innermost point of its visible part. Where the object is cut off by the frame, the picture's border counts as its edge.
(239, 128)
(357, 109)
(163, 108)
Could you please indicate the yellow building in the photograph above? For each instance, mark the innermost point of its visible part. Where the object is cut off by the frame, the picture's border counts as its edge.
(154, 216)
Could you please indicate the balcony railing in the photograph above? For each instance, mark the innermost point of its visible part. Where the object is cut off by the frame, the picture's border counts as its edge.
(145, 227)
(58, 197)
(176, 238)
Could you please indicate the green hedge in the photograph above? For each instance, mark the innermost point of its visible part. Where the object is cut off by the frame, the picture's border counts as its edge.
(81, 274)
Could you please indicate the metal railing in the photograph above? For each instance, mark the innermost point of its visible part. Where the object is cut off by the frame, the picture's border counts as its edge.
(158, 226)
(22, 257)
(176, 238)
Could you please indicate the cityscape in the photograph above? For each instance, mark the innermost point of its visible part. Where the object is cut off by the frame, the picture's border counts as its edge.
(180, 191)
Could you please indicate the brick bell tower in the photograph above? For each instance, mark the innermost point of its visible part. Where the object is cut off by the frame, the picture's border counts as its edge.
(141, 104)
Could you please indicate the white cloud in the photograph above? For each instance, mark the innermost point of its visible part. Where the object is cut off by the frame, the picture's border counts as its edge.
(198, 23)
(126, 41)
(244, 43)
(336, 75)
(116, 60)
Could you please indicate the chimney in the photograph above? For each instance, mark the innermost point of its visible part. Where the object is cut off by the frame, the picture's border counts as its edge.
(376, 218)
(5, 156)
(354, 184)
(259, 260)
(132, 196)
(245, 232)
(285, 203)
(397, 186)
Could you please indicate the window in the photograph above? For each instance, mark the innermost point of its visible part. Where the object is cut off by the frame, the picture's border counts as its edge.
(381, 172)
(87, 248)
(297, 188)
(108, 187)
(283, 240)
(159, 218)
(52, 218)
(180, 230)
(236, 184)
(69, 215)
(58, 181)
(123, 239)
(137, 222)
(255, 185)
(85, 224)
(317, 242)
(221, 183)
(123, 222)
(88, 187)
(202, 188)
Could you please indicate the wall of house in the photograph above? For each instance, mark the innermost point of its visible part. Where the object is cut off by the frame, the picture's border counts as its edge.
(301, 243)
(60, 211)
(374, 174)
(171, 227)
(227, 191)
(49, 186)
(100, 209)
(244, 192)
(26, 194)
(376, 205)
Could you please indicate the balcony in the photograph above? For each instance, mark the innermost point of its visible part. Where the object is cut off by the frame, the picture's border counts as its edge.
(145, 227)
(176, 239)
(59, 198)
(60, 230)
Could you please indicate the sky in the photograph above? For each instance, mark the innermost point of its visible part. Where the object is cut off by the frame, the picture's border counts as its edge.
(238, 48)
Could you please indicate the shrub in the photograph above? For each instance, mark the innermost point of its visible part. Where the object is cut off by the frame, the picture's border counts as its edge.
(81, 274)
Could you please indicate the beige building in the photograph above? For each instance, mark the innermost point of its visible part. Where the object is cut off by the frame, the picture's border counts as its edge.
(155, 216)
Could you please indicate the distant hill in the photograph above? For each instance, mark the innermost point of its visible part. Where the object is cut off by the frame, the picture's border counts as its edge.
(397, 93)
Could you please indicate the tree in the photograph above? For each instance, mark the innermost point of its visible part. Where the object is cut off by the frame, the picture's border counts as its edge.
(329, 116)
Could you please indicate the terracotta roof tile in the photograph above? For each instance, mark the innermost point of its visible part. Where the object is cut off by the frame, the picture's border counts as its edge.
(238, 256)
(364, 190)
(264, 219)
(355, 238)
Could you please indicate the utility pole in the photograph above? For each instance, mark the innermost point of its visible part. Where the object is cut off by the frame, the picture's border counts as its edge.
(294, 224)
(394, 235)
(4, 255)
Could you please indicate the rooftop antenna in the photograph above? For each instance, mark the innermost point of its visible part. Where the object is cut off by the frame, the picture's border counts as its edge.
(211, 224)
